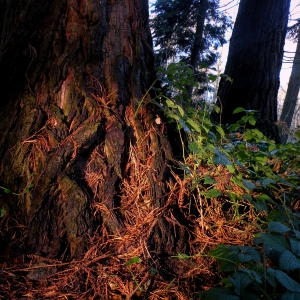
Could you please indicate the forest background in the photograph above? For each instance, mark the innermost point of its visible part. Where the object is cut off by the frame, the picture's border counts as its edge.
(117, 181)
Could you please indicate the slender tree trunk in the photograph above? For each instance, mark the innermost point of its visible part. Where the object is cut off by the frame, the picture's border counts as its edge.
(254, 62)
(292, 93)
(197, 44)
(78, 124)
(198, 38)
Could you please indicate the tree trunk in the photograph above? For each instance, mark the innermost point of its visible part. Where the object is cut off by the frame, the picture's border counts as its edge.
(292, 93)
(198, 38)
(78, 124)
(197, 44)
(254, 62)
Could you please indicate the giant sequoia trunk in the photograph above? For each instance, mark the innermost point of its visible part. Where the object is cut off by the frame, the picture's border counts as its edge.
(254, 62)
(77, 123)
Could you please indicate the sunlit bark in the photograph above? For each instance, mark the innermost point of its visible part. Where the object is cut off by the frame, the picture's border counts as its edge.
(78, 124)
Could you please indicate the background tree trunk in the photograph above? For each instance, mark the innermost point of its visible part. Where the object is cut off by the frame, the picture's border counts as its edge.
(254, 62)
(197, 44)
(292, 93)
(79, 125)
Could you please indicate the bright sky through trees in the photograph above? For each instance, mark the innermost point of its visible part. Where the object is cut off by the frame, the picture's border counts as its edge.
(231, 7)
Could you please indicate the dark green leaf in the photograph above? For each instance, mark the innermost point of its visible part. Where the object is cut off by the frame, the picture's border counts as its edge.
(220, 130)
(295, 246)
(238, 110)
(255, 276)
(278, 227)
(248, 254)
(286, 281)
(263, 197)
(193, 125)
(266, 182)
(213, 193)
(271, 242)
(208, 180)
(227, 257)
(249, 185)
(271, 278)
(240, 281)
(221, 158)
(288, 261)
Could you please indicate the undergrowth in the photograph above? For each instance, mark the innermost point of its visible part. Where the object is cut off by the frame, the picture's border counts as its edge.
(253, 180)
(239, 192)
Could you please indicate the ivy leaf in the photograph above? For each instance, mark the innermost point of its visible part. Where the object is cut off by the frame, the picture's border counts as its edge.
(171, 115)
(170, 103)
(227, 257)
(272, 242)
(240, 281)
(263, 197)
(180, 109)
(255, 276)
(209, 180)
(288, 261)
(193, 125)
(221, 158)
(238, 110)
(249, 185)
(286, 281)
(248, 254)
(213, 193)
(266, 182)
(184, 126)
(278, 227)
(295, 246)
(220, 130)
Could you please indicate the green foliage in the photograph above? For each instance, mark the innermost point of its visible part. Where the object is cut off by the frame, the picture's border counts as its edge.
(263, 175)
(174, 26)
(267, 270)
(9, 191)
(133, 260)
(4, 207)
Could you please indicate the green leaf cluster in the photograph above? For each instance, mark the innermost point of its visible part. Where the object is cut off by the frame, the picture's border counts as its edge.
(270, 269)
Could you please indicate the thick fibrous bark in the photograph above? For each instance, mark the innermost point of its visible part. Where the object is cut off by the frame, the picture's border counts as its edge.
(254, 62)
(78, 123)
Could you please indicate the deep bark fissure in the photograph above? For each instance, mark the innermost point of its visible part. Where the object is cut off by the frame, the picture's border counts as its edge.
(87, 139)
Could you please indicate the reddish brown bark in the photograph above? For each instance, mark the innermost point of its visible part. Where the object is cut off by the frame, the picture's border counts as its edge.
(80, 126)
